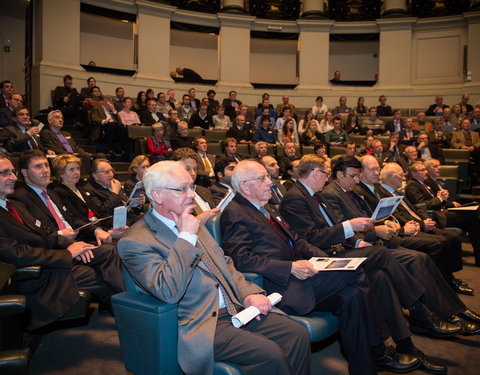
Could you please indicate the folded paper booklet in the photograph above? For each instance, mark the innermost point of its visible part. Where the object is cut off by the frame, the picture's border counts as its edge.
(386, 207)
(136, 192)
(336, 264)
(464, 208)
(226, 200)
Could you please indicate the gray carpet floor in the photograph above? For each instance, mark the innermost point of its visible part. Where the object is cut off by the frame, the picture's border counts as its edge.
(94, 349)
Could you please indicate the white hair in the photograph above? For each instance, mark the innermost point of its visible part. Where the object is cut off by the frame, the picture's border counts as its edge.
(242, 172)
(388, 169)
(160, 175)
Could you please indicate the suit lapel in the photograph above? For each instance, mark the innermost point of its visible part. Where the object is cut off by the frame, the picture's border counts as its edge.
(36, 200)
(312, 203)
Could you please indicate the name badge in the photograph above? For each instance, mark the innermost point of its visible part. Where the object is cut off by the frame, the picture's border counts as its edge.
(38, 223)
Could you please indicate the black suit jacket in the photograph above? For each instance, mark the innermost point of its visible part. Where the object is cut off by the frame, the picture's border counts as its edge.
(246, 134)
(248, 236)
(390, 125)
(20, 141)
(30, 200)
(423, 194)
(431, 110)
(343, 208)
(404, 140)
(54, 292)
(146, 118)
(302, 212)
(218, 193)
(50, 141)
(6, 117)
(103, 201)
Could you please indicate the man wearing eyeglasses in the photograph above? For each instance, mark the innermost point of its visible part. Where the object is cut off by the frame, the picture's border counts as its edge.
(171, 256)
(259, 240)
(6, 114)
(67, 265)
(6, 89)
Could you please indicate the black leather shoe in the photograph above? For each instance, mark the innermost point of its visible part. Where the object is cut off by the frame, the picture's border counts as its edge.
(461, 287)
(434, 326)
(469, 328)
(396, 362)
(470, 315)
(427, 365)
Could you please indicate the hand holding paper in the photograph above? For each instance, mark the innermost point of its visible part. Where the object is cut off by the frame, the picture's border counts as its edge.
(244, 316)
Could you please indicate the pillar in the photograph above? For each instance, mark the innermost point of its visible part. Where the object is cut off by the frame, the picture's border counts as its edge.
(234, 50)
(313, 47)
(473, 57)
(233, 6)
(394, 8)
(153, 49)
(313, 9)
(395, 52)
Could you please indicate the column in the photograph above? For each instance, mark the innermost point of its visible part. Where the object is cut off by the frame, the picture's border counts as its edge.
(57, 46)
(233, 6)
(473, 59)
(313, 9)
(395, 52)
(234, 50)
(394, 8)
(313, 47)
(153, 49)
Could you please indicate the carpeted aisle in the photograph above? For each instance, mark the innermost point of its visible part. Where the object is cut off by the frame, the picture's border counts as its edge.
(94, 349)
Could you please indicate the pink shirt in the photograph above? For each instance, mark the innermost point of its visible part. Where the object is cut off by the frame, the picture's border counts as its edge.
(128, 117)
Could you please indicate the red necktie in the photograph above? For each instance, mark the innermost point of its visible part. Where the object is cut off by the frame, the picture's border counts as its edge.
(13, 211)
(59, 221)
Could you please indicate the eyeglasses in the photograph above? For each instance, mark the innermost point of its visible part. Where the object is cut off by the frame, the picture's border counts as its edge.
(353, 176)
(261, 179)
(321, 171)
(108, 171)
(183, 190)
(8, 172)
(23, 114)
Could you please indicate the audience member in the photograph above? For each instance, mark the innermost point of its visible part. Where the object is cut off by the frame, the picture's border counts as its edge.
(408, 135)
(136, 170)
(372, 124)
(428, 150)
(141, 102)
(284, 105)
(105, 121)
(230, 149)
(288, 133)
(207, 163)
(437, 108)
(342, 108)
(6, 89)
(337, 136)
(6, 114)
(450, 123)
(266, 132)
(240, 131)
(181, 139)
(361, 108)
(475, 119)
(171, 98)
(395, 148)
(95, 99)
(86, 92)
(118, 100)
(383, 109)
(212, 102)
(303, 123)
(220, 121)
(23, 134)
(232, 105)
(185, 110)
(311, 135)
(422, 124)
(67, 99)
(162, 105)
(151, 116)
(319, 109)
(158, 147)
(127, 116)
(223, 169)
(261, 149)
(378, 153)
(465, 107)
(201, 119)
(326, 124)
(396, 124)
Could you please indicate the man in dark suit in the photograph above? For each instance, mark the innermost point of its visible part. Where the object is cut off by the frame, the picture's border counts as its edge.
(170, 246)
(273, 170)
(379, 154)
(6, 89)
(67, 99)
(395, 124)
(408, 136)
(242, 132)
(223, 169)
(230, 149)
(443, 247)
(438, 137)
(151, 116)
(428, 150)
(24, 134)
(259, 240)
(288, 155)
(6, 114)
(207, 161)
(437, 108)
(66, 265)
(181, 139)
(232, 105)
(201, 119)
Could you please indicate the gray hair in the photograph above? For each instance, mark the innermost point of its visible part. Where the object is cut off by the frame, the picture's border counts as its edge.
(51, 113)
(242, 172)
(387, 170)
(160, 175)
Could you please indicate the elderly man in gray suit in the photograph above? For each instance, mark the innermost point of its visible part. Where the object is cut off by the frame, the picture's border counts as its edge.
(171, 256)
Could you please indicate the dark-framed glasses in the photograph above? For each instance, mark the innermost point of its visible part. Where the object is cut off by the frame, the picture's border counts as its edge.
(183, 190)
(8, 172)
(260, 178)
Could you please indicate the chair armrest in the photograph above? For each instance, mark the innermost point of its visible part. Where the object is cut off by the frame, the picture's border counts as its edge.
(255, 278)
(26, 273)
(11, 305)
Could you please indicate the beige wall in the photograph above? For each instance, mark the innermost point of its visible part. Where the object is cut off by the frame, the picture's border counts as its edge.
(11, 63)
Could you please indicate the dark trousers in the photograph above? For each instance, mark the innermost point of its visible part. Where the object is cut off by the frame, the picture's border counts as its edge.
(393, 286)
(439, 296)
(469, 221)
(102, 276)
(360, 322)
(274, 345)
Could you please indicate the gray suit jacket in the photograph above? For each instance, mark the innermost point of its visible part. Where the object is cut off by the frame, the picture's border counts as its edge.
(171, 270)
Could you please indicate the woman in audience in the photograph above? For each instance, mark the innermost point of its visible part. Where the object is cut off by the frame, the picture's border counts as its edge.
(127, 116)
(158, 146)
(311, 136)
(150, 94)
(319, 109)
(141, 103)
(220, 121)
(361, 109)
(321, 149)
(137, 168)
(66, 168)
(266, 132)
(327, 123)
(288, 132)
(303, 124)
(367, 147)
(352, 125)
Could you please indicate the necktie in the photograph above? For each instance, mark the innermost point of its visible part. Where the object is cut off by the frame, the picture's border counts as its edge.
(65, 143)
(13, 211)
(206, 163)
(356, 202)
(409, 210)
(59, 221)
(277, 227)
(322, 210)
(227, 292)
(375, 191)
(276, 194)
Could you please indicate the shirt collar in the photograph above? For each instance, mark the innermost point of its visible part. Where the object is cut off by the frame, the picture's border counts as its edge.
(36, 190)
(3, 203)
(388, 188)
(168, 222)
(371, 187)
(310, 191)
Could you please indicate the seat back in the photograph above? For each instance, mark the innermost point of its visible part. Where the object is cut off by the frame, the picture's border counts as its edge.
(213, 226)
